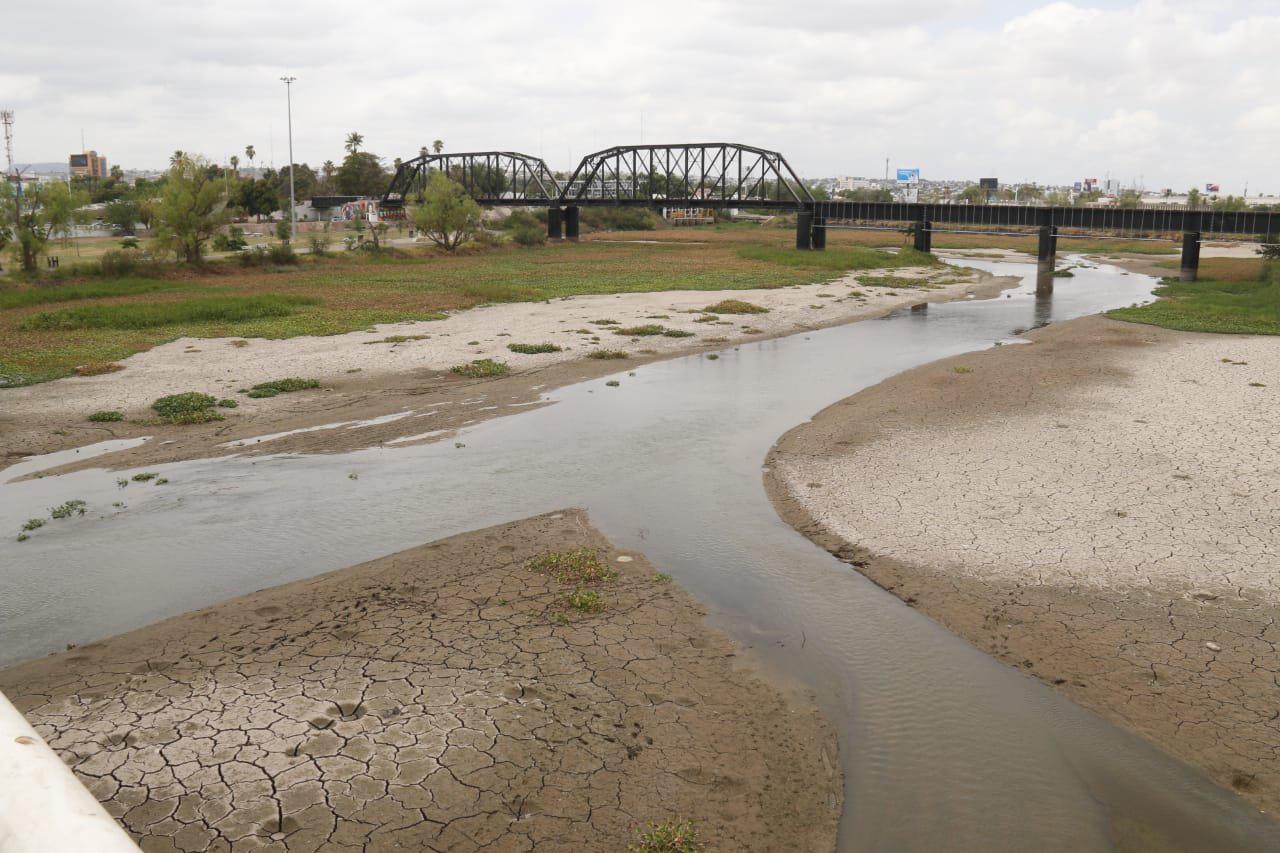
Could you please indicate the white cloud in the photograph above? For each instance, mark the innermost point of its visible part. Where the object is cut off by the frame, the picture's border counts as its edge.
(1173, 90)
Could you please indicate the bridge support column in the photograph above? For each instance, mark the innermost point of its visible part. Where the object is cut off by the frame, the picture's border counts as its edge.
(819, 233)
(1190, 255)
(923, 236)
(1047, 254)
(555, 231)
(804, 230)
(571, 223)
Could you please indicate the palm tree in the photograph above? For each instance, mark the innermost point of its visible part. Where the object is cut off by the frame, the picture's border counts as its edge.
(422, 152)
(250, 152)
(329, 169)
(177, 157)
(354, 141)
(438, 145)
(235, 164)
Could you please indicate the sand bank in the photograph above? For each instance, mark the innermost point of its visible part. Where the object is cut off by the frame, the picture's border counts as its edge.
(1099, 508)
(405, 368)
(445, 697)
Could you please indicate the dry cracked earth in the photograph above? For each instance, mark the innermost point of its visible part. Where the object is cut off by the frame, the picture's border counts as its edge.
(445, 697)
(1101, 509)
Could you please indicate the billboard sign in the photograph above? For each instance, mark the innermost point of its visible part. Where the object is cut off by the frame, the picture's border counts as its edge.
(1212, 188)
(989, 183)
(908, 176)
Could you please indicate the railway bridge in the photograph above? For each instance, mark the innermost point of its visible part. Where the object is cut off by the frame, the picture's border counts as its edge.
(730, 175)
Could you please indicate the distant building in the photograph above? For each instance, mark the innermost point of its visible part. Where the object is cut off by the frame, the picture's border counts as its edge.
(88, 165)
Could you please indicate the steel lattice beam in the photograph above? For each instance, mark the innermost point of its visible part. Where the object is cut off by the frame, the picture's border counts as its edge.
(490, 177)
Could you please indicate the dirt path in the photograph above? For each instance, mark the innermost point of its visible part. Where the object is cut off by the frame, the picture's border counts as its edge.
(399, 375)
(445, 697)
(1098, 508)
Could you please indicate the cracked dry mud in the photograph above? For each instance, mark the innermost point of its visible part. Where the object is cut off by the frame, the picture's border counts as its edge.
(444, 697)
(1099, 508)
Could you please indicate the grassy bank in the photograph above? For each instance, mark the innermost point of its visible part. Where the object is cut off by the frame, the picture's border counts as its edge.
(48, 330)
(1229, 307)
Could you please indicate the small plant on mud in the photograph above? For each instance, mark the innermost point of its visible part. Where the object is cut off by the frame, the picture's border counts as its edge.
(105, 417)
(607, 353)
(677, 333)
(670, 836)
(282, 386)
(613, 383)
(640, 331)
(144, 476)
(190, 407)
(962, 369)
(585, 600)
(735, 306)
(33, 524)
(662, 577)
(533, 349)
(227, 403)
(68, 509)
(481, 368)
(580, 566)
(121, 482)
(606, 322)
(712, 356)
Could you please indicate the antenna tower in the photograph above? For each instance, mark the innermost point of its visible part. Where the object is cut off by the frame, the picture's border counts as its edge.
(6, 116)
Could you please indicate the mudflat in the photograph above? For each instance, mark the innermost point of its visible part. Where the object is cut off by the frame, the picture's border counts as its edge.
(450, 696)
(1098, 508)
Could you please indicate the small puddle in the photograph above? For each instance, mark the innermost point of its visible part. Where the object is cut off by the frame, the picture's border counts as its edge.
(259, 439)
(942, 746)
(46, 461)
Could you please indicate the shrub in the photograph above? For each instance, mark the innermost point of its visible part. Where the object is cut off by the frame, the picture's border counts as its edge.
(228, 404)
(282, 386)
(232, 241)
(735, 306)
(677, 333)
(533, 234)
(190, 407)
(319, 244)
(66, 510)
(481, 368)
(628, 219)
(106, 417)
(117, 264)
(586, 600)
(282, 254)
(607, 353)
(533, 349)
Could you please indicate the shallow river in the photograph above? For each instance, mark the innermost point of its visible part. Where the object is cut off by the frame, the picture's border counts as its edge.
(943, 747)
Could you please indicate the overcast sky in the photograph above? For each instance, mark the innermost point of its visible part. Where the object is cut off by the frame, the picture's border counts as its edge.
(1169, 93)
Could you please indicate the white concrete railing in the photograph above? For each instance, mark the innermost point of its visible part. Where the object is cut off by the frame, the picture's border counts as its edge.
(43, 806)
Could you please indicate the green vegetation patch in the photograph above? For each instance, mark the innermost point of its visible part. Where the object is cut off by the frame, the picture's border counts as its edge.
(533, 349)
(607, 354)
(146, 315)
(23, 297)
(670, 836)
(677, 333)
(282, 386)
(640, 331)
(481, 368)
(577, 567)
(104, 417)
(585, 600)
(735, 306)
(68, 509)
(841, 259)
(1229, 307)
(189, 407)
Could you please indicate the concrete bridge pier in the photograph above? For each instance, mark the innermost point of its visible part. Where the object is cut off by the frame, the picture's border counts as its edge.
(922, 234)
(571, 229)
(819, 233)
(1048, 250)
(1190, 255)
(555, 223)
(804, 229)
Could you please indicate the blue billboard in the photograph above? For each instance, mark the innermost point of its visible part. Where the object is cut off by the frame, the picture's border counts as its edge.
(910, 176)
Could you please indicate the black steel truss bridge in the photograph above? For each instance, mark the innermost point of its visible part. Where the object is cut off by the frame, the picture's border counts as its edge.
(729, 175)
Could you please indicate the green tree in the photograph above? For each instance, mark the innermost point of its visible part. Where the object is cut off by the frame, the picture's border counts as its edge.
(1058, 198)
(235, 164)
(250, 152)
(437, 146)
(40, 213)
(123, 214)
(1129, 199)
(354, 141)
(192, 206)
(304, 184)
(257, 197)
(1194, 199)
(973, 194)
(361, 173)
(866, 194)
(1230, 204)
(446, 214)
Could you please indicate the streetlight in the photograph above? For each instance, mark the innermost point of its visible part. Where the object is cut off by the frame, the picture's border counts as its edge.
(293, 202)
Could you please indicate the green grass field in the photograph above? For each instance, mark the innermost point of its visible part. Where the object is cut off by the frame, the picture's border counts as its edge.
(42, 337)
(1229, 307)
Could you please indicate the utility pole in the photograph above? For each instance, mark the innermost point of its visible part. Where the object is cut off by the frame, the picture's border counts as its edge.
(6, 116)
(293, 202)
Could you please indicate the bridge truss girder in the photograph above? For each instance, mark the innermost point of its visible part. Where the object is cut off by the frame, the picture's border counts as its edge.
(490, 177)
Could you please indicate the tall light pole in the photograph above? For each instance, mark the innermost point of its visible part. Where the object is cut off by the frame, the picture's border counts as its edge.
(293, 202)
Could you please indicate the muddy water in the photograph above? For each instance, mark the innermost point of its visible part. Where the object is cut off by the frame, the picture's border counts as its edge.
(943, 747)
